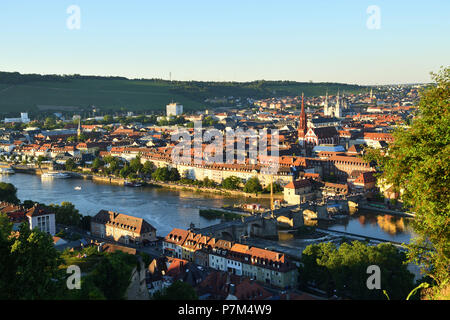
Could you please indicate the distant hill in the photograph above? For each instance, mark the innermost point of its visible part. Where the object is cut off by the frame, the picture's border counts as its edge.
(34, 92)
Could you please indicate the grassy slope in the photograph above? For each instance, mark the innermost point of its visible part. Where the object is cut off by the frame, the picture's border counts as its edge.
(119, 94)
(112, 94)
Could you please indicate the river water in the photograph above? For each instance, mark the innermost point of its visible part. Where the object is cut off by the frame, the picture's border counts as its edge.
(167, 209)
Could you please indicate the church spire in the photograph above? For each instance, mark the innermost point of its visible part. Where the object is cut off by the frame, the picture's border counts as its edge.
(302, 126)
(337, 110)
(79, 127)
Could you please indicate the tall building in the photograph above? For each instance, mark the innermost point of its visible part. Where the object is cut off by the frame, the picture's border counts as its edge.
(336, 110)
(302, 125)
(122, 228)
(24, 117)
(79, 130)
(174, 109)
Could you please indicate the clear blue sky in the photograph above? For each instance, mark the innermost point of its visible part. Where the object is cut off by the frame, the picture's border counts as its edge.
(239, 40)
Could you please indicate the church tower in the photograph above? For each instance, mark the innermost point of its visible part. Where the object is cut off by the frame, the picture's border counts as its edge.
(325, 106)
(337, 109)
(302, 125)
(79, 128)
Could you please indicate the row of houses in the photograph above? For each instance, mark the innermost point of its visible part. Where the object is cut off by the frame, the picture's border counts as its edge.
(269, 267)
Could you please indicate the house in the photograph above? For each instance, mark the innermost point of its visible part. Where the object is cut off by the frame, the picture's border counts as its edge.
(15, 213)
(322, 135)
(173, 241)
(157, 277)
(219, 285)
(366, 181)
(299, 191)
(41, 218)
(122, 228)
(248, 289)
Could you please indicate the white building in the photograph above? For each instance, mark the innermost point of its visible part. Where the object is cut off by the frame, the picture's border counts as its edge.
(23, 118)
(40, 218)
(174, 109)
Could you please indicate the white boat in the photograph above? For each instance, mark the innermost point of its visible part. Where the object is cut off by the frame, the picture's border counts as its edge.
(78, 188)
(7, 170)
(55, 175)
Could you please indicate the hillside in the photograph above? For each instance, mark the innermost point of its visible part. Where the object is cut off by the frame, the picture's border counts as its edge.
(45, 93)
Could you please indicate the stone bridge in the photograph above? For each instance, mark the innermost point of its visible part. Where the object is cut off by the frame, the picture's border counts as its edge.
(253, 226)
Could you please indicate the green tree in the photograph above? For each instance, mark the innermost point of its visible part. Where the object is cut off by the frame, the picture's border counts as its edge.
(113, 164)
(8, 193)
(276, 188)
(231, 183)
(417, 165)
(66, 214)
(40, 159)
(28, 204)
(148, 168)
(174, 175)
(253, 185)
(108, 119)
(29, 267)
(49, 123)
(97, 164)
(179, 290)
(136, 165)
(70, 165)
(166, 174)
(113, 273)
(344, 270)
(208, 183)
(125, 171)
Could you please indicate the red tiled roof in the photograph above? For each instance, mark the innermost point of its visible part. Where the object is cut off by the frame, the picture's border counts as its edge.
(37, 211)
(298, 184)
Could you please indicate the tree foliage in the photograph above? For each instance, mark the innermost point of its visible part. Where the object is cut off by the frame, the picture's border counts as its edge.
(8, 193)
(112, 275)
(179, 290)
(29, 266)
(253, 185)
(231, 183)
(417, 165)
(166, 174)
(344, 270)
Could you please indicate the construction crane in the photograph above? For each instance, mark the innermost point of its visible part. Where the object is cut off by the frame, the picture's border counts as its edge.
(271, 196)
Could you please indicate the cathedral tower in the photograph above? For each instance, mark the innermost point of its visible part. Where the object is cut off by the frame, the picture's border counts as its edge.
(302, 125)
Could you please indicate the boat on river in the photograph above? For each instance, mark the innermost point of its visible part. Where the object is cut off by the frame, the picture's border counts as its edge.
(55, 175)
(132, 184)
(7, 170)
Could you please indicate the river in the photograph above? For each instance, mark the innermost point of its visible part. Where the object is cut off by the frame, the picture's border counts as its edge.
(167, 209)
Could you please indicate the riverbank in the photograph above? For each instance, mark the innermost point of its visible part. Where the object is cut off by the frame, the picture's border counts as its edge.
(223, 192)
(367, 207)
